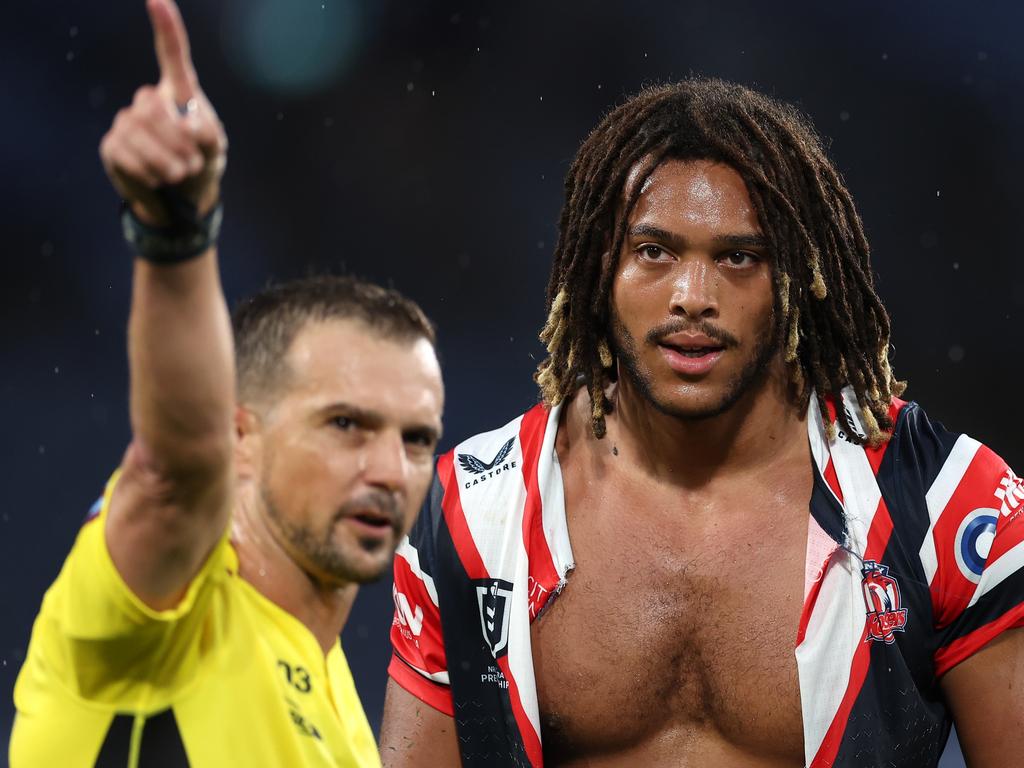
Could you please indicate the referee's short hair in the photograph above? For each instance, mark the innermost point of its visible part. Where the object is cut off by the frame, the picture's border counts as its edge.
(265, 325)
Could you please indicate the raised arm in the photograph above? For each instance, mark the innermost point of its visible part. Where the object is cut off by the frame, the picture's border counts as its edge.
(165, 155)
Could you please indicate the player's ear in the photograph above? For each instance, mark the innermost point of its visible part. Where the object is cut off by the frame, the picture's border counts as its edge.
(248, 443)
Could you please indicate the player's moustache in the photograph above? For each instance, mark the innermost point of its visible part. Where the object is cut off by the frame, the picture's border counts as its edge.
(705, 327)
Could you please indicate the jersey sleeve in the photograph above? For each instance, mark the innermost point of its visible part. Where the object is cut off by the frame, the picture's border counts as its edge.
(418, 663)
(973, 554)
(95, 639)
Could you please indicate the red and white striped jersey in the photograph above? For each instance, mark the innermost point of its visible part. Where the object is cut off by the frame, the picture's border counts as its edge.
(915, 560)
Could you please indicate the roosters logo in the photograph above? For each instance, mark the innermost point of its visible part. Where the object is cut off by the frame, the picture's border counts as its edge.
(882, 598)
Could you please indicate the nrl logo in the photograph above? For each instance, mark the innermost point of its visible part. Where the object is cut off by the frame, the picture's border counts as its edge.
(486, 471)
(494, 598)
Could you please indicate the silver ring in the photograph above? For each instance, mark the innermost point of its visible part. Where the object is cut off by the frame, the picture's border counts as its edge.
(190, 107)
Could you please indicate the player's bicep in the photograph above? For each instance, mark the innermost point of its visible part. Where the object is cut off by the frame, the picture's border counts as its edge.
(415, 735)
(160, 530)
(984, 694)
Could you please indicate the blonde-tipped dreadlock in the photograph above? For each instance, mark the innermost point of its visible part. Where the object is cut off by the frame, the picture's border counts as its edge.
(836, 331)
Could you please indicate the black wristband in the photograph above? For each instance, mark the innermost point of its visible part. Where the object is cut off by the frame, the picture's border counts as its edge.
(185, 238)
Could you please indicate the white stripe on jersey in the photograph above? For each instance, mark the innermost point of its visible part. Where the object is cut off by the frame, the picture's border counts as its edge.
(552, 496)
(941, 491)
(998, 571)
(408, 552)
(834, 631)
(437, 677)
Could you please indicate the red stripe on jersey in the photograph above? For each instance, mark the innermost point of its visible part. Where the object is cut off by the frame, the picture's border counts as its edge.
(543, 574)
(964, 647)
(951, 591)
(531, 739)
(875, 455)
(878, 540)
(451, 505)
(436, 695)
(416, 631)
(1010, 520)
(832, 480)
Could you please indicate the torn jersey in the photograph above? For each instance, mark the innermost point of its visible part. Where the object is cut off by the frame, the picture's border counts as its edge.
(915, 561)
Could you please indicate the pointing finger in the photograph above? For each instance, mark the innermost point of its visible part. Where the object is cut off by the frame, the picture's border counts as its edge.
(177, 74)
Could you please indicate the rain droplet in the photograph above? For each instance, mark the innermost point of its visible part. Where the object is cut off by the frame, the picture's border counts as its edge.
(844, 115)
(280, 116)
(409, 86)
(885, 57)
(328, 122)
(56, 369)
(956, 265)
(956, 353)
(938, 192)
(70, 56)
(73, 32)
(433, 93)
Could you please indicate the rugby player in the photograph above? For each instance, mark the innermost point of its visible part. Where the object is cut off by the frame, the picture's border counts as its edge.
(722, 539)
(196, 619)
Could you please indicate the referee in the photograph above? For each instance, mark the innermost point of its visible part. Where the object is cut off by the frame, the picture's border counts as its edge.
(274, 467)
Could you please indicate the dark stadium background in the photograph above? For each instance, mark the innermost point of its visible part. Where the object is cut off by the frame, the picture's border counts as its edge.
(424, 145)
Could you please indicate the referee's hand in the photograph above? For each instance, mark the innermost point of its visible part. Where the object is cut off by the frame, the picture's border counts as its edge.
(170, 136)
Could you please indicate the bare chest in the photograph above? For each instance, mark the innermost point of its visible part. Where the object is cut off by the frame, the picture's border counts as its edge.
(676, 622)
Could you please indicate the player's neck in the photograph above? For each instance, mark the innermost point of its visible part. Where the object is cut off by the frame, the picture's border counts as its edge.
(762, 428)
(265, 564)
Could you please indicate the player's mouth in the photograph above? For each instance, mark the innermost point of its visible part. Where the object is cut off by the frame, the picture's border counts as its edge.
(690, 354)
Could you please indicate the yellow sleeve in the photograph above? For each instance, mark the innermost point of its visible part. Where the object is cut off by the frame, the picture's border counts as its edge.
(95, 638)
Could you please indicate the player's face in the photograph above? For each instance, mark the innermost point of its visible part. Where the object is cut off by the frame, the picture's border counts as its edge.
(692, 300)
(348, 448)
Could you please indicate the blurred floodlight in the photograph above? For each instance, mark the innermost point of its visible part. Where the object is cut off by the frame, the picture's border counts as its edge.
(293, 47)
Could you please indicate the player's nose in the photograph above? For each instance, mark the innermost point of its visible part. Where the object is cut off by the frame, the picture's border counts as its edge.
(694, 293)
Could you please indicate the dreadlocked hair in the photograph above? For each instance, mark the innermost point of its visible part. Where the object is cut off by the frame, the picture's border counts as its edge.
(834, 328)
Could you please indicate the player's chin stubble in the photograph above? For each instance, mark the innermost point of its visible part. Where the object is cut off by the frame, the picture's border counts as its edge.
(751, 375)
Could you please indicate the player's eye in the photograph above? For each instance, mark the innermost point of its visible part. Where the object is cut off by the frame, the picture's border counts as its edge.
(652, 252)
(740, 259)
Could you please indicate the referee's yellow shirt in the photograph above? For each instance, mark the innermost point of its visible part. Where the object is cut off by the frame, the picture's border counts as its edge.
(227, 678)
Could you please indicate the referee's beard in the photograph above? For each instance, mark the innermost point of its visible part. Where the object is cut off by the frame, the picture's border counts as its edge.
(334, 553)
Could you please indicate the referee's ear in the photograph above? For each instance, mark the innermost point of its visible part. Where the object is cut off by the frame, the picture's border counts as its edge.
(248, 443)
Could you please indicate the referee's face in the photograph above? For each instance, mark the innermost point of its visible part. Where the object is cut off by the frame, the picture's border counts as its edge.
(693, 304)
(347, 450)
